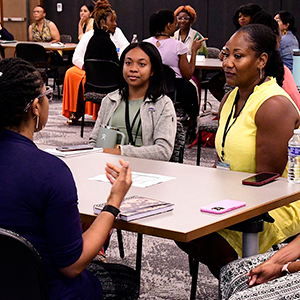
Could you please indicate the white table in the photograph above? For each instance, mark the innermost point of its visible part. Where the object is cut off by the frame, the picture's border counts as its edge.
(209, 64)
(47, 46)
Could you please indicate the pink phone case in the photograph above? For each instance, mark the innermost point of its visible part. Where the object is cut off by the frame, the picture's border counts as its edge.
(222, 206)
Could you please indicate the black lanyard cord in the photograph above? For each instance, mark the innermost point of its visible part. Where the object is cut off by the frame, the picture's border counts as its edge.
(128, 127)
(227, 126)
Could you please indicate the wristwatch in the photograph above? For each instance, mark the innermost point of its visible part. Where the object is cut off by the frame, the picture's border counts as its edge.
(113, 210)
(285, 270)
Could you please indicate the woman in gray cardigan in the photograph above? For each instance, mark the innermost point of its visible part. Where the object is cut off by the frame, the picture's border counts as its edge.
(140, 109)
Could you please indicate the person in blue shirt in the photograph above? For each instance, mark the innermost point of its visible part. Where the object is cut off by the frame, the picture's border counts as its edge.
(39, 197)
(288, 41)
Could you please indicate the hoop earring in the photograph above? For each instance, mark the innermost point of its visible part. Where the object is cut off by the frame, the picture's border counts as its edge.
(37, 122)
(284, 32)
(105, 28)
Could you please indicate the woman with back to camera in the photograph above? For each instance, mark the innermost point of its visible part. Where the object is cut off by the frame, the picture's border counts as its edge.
(288, 41)
(252, 137)
(162, 26)
(86, 21)
(94, 44)
(151, 127)
(39, 198)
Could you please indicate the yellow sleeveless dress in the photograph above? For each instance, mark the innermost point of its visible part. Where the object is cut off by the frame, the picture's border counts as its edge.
(240, 150)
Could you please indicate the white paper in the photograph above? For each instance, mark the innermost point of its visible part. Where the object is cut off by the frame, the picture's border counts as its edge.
(72, 153)
(139, 179)
(199, 58)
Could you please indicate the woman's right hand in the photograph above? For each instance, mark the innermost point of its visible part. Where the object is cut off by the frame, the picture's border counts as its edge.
(197, 44)
(121, 180)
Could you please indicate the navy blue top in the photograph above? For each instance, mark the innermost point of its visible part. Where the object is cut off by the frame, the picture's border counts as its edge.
(5, 35)
(38, 200)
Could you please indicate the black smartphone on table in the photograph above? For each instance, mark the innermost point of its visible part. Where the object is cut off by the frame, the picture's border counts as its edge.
(260, 178)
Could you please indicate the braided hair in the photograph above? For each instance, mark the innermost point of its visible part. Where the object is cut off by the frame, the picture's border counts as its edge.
(20, 83)
(101, 12)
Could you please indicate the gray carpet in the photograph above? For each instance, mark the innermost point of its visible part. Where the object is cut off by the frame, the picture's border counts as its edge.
(165, 269)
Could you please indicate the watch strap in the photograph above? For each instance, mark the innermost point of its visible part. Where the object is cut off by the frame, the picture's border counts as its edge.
(113, 210)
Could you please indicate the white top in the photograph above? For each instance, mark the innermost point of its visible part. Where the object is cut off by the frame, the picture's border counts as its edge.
(118, 38)
(170, 50)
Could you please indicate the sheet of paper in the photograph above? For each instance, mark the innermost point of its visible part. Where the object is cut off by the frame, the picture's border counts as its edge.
(139, 179)
(72, 153)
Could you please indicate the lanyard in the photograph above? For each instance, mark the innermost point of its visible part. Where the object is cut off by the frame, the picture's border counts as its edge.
(128, 127)
(227, 126)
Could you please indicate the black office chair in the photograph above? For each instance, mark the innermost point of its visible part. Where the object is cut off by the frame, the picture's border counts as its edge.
(101, 79)
(21, 270)
(37, 55)
(170, 82)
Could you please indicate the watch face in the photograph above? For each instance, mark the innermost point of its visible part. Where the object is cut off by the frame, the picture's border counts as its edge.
(285, 269)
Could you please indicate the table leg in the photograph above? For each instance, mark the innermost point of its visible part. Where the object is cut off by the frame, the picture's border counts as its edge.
(199, 147)
(250, 244)
(139, 254)
(195, 267)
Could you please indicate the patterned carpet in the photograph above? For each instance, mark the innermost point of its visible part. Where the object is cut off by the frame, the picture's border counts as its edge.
(165, 269)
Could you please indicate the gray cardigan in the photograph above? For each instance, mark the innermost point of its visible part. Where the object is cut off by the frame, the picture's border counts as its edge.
(158, 126)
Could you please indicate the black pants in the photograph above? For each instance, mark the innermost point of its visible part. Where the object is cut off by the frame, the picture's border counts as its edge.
(119, 282)
(187, 97)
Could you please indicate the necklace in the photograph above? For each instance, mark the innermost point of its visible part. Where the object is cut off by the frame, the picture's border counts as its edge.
(162, 34)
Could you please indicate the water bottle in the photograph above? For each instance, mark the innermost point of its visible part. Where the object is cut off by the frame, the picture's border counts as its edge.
(294, 157)
(134, 38)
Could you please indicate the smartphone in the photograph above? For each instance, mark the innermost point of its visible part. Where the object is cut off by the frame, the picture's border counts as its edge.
(260, 178)
(74, 148)
(222, 206)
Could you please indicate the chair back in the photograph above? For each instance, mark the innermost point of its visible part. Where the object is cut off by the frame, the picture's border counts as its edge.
(21, 271)
(213, 52)
(2, 54)
(170, 82)
(32, 52)
(178, 151)
(101, 75)
(65, 38)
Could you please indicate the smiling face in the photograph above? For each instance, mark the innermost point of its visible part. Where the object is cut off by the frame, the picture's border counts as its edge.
(137, 69)
(183, 20)
(241, 64)
(244, 19)
(84, 12)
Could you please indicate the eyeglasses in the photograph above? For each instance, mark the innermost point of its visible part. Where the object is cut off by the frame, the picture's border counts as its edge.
(186, 18)
(48, 93)
(37, 11)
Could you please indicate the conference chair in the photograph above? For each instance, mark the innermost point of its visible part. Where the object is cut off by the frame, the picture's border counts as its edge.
(21, 270)
(2, 53)
(101, 79)
(37, 55)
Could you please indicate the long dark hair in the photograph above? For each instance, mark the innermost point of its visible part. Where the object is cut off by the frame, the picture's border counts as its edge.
(157, 84)
(249, 9)
(20, 83)
(263, 40)
(159, 20)
(287, 17)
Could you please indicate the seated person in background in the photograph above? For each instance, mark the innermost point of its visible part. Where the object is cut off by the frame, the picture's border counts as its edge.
(39, 198)
(288, 84)
(162, 26)
(4, 34)
(140, 108)
(86, 21)
(101, 47)
(288, 42)
(269, 275)
(256, 120)
(42, 30)
(186, 17)
(244, 14)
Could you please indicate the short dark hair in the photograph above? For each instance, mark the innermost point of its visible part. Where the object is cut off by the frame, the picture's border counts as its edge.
(159, 20)
(41, 7)
(287, 17)
(20, 83)
(249, 9)
(263, 40)
(157, 85)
